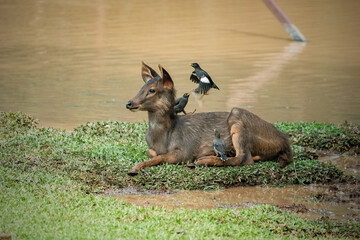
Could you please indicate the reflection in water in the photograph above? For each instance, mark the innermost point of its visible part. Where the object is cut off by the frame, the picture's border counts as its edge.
(68, 62)
(250, 85)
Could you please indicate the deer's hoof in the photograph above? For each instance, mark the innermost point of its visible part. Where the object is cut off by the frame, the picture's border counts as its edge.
(191, 165)
(133, 172)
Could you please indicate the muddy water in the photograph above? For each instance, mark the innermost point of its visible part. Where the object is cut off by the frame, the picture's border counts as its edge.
(301, 200)
(334, 202)
(68, 62)
(350, 164)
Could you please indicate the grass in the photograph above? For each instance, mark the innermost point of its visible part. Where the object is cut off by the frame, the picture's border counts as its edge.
(38, 204)
(100, 154)
(49, 179)
(323, 136)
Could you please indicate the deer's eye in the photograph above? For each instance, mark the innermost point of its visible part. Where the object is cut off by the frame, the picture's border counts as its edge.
(151, 91)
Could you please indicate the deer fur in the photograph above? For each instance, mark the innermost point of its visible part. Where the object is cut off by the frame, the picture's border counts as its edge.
(188, 138)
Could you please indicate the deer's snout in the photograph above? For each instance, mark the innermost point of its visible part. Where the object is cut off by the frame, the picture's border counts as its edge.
(129, 105)
(132, 106)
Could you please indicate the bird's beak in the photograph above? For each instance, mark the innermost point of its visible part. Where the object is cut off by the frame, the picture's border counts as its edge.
(189, 93)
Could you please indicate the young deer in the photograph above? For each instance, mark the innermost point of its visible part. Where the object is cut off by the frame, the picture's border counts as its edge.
(175, 138)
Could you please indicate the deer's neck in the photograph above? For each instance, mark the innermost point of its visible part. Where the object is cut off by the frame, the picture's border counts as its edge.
(159, 132)
(161, 121)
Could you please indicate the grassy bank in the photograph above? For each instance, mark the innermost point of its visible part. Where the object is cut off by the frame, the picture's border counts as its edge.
(100, 155)
(48, 178)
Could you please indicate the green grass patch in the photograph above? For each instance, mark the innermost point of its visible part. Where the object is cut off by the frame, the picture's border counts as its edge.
(38, 204)
(48, 178)
(323, 136)
(100, 155)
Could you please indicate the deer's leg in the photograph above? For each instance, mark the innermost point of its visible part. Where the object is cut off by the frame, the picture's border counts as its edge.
(152, 153)
(159, 159)
(243, 155)
(239, 139)
(216, 161)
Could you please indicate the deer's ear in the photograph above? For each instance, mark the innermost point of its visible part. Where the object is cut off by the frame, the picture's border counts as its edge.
(167, 81)
(147, 72)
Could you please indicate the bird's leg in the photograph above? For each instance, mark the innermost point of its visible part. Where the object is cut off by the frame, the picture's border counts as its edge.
(192, 112)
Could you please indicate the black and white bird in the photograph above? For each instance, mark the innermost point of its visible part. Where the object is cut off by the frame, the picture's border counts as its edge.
(219, 146)
(180, 103)
(202, 78)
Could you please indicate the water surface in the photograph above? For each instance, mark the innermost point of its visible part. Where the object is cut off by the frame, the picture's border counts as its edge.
(68, 62)
(336, 201)
(302, 200)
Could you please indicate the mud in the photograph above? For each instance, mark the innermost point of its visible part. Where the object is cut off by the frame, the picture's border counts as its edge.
(350, 164)
(333, 202)
(340, 201)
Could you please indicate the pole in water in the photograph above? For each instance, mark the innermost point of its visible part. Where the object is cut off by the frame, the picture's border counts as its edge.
(293, 31)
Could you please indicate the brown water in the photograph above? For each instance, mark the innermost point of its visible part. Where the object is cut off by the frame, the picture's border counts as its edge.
(333, 201)
(298, 199)
(68, 62)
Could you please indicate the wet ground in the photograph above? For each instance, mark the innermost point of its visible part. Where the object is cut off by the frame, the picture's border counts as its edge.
(316, 201)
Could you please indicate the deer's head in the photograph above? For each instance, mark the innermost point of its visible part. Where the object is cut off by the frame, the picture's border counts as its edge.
(157, 94)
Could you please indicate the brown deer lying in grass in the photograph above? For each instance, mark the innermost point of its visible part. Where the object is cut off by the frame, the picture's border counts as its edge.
(175, 139)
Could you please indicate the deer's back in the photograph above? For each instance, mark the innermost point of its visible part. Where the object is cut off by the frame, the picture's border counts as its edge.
(192, 135)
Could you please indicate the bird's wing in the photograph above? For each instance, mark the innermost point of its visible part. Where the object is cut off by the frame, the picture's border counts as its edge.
(220, 146)
(204, 85)
(213, 85)
(194, 78)
(182, 102)
(180, 105)
(177, 101)
(208, 77)
(216, 146)
(177, 108)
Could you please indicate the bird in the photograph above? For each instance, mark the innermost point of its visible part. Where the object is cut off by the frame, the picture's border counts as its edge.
(202, 78)
(180, 103)
(219, 146)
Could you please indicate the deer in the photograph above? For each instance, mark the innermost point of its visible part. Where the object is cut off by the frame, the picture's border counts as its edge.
(188, 139)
